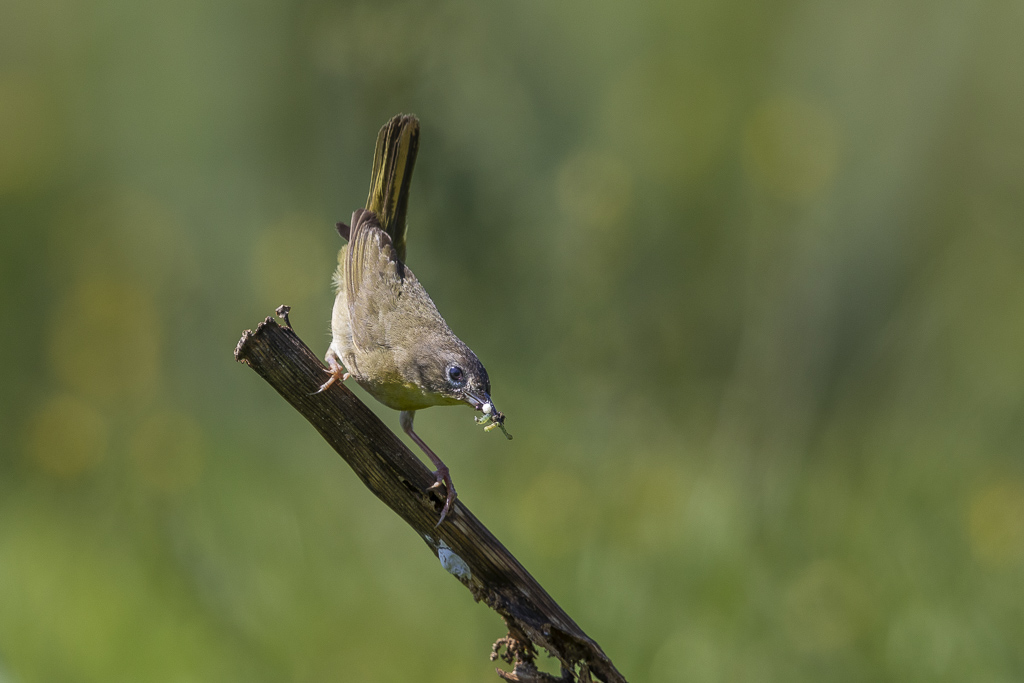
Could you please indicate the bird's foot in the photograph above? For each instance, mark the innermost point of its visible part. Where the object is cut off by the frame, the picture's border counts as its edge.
(445, 480)
(337, 371)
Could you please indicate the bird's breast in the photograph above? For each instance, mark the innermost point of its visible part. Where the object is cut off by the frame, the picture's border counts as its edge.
(399, 395)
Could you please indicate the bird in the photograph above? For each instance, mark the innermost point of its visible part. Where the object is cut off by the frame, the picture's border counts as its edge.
(386, 332)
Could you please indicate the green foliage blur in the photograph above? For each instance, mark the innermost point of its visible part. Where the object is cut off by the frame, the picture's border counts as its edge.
(748, 279)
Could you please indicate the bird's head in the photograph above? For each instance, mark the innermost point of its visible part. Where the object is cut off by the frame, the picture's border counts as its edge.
(456, 374)
(449, 373)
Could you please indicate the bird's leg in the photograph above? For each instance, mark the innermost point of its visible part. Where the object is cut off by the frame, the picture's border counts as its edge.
(405, 418)
(337, 370)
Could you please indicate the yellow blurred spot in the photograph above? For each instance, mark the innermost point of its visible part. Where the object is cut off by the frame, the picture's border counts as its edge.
(67, 437)
(106, 340)
(168, 449)
(996, 523)
(121, 231)
(823, 609)
(791, 148)
(28, 135)
(594, 189)
(291, 262)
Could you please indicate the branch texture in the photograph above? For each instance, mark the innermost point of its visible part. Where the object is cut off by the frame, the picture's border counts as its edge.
(463, 545)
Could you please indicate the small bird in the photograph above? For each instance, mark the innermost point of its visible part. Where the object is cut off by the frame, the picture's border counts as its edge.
(386, 332)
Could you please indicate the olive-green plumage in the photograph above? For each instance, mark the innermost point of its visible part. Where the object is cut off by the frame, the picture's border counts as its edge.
(386, 332)
(393, 161)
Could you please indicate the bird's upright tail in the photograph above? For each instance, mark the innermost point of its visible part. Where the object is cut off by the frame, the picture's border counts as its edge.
(393, 161)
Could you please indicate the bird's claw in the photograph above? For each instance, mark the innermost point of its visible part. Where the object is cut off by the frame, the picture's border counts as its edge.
(337, 372)
(443, 479)
(337, 376)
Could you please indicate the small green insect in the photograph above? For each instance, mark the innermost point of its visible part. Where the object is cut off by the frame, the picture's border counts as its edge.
(492, 418)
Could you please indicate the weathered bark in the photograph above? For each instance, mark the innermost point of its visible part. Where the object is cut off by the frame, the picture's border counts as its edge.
(465, 547)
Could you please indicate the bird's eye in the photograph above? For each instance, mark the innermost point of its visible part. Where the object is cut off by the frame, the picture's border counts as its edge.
(455, 374)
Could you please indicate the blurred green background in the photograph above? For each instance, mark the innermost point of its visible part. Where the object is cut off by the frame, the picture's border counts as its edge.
(748, 279)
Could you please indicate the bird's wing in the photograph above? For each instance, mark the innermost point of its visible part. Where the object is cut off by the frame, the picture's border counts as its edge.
(374, 280)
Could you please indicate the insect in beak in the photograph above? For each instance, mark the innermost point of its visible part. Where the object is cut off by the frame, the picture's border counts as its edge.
(492, 417)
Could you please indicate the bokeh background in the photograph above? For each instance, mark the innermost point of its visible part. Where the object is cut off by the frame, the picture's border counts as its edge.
(748, 278)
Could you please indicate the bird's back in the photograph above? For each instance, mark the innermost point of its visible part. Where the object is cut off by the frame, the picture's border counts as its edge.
(381, 315)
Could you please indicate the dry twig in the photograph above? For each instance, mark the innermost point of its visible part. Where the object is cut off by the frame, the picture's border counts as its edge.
(464, 546)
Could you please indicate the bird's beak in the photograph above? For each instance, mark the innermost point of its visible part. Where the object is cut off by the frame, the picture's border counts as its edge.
(477, 400)
(492, 417)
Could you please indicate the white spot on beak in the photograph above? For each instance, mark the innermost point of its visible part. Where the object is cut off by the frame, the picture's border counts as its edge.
(487, 408)
(454, 564)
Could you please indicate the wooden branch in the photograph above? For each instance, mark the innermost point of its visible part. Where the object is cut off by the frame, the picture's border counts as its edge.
(463, 545)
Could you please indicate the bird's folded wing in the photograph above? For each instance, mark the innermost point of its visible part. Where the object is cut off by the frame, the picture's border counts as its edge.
(373, 280)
